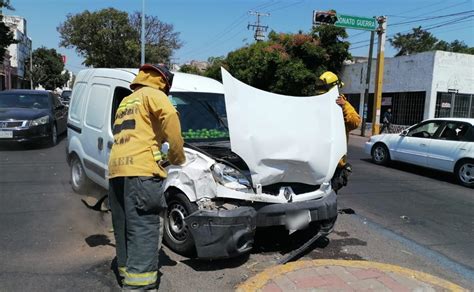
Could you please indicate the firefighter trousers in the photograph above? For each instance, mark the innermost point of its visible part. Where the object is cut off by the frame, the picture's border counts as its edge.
(138, 205)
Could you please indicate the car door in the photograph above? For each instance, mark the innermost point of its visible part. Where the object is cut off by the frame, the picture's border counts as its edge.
(450, 145)
(413, 147)
(60, 114)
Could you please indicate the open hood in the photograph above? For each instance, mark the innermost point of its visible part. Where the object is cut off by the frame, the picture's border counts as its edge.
(284, 138)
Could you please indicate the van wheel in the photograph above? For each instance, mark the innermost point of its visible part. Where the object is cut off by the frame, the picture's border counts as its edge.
(79, 181)
(177, 235)
(464, 172)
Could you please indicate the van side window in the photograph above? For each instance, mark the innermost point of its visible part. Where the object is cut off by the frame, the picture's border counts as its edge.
(119, 94)
(77, 101)
(96, 107)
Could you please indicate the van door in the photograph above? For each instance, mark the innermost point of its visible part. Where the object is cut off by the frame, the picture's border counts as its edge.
(104, 97)
(95, 129)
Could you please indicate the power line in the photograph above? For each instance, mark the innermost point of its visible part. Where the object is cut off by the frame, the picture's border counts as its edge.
(432, 17)
(259, 29)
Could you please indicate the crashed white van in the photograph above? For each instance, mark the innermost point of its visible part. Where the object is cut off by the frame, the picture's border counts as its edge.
(253, 158)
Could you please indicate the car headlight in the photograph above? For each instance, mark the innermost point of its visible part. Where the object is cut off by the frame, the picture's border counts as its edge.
(40, 121)
(229, 177)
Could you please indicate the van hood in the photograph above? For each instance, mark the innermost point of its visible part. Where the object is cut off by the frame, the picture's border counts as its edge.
(284, 138)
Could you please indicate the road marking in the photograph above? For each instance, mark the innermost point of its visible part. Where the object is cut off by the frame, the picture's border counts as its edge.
(259, 280)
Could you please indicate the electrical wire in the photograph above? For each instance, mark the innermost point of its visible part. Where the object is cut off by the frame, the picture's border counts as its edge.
(432, 17)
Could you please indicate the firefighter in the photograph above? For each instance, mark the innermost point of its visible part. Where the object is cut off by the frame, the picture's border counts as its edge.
(352, 120)
(143, 122)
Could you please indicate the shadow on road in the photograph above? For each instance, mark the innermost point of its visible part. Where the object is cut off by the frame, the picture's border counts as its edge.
(14, 146)
(418, 170)
(98, 240)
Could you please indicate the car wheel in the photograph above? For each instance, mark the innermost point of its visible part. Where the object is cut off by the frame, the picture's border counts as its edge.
(380, 154)
(53, 139)
(464, 172)
(177, 235)
(79, 181)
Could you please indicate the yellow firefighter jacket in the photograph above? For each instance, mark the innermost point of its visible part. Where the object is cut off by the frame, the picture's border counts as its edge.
(351, 121)
(144, 120)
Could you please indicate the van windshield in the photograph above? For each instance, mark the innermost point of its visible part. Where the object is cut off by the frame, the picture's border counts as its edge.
(202, 115)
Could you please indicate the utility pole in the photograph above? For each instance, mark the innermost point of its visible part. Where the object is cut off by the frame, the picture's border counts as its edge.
(142, 61)
(382, 33)
(365, 98)
(259, 29)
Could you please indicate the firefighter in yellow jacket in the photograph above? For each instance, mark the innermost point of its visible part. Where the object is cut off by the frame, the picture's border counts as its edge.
(352, 120)
(143, 121)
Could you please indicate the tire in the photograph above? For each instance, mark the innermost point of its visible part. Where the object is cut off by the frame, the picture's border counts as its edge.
(464, 172)
(53, 139)
(380, 154)
(79, 181)
(176, 234)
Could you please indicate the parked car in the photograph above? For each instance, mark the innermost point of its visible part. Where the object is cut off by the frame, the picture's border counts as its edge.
(446, 144)
(31, 116)
(213, 208)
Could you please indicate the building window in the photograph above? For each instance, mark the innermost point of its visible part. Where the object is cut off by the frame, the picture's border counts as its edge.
(454, 105)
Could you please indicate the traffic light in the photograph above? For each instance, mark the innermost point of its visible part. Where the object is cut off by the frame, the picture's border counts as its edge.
(324, 17)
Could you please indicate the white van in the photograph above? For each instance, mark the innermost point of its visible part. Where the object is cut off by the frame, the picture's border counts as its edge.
(213, 206)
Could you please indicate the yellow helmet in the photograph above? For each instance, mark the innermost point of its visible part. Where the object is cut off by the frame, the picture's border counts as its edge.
(330, 79)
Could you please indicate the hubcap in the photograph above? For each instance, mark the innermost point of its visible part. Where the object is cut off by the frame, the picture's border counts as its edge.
(76, 172)
(466, 173)
(379, 154)
(176, 225)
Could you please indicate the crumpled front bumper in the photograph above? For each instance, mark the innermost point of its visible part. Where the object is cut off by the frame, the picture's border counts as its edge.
(229, 233)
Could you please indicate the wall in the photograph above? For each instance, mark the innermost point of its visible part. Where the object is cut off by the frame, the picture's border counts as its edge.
(19, 52)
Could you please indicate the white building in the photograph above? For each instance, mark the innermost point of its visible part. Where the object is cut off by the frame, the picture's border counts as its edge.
(417, 87)
(19, 52)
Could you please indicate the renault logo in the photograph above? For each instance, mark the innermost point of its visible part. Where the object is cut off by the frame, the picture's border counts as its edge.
(3, 124)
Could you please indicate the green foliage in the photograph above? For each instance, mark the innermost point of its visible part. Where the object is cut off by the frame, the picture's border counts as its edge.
(6, 35)
(104, 38)
(111, 38)
(160, 38)
(421, 41)
(190, 69)
(287, 63)
(214, 69)
(48, 68)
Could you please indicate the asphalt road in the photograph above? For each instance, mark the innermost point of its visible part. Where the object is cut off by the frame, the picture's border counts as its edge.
(50, 241)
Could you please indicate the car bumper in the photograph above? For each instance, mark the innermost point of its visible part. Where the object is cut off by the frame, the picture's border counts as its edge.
(368, 147)
(27, 135)
(229, 233)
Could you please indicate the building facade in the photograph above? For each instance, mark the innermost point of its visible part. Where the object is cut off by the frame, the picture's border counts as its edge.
(20, 52)
(416, 87)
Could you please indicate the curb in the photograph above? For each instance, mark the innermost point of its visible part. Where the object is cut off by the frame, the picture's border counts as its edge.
(259, 280)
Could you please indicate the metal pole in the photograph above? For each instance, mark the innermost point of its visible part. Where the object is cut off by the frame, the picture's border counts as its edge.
(31, 65)
(382, 32)
(365, 99)
(142, 61)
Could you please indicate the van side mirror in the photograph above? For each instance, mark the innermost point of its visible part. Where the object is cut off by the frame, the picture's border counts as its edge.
(404, 133)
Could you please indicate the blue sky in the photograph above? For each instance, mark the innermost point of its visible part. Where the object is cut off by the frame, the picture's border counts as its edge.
(217, 27)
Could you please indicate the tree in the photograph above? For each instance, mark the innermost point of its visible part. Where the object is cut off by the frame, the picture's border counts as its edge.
(111, 38)
(288, 63)
(6, 35)
(48, 69)
(190, 69)
(160, 38)
(421, 41)
(104, 38)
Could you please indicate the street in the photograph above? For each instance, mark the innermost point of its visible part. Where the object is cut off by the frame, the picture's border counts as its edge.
(411, 217)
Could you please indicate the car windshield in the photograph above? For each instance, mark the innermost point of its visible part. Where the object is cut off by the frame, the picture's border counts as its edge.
(202, 115)
(22, 100)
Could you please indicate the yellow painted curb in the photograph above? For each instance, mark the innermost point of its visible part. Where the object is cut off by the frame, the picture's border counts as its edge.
(259, 280)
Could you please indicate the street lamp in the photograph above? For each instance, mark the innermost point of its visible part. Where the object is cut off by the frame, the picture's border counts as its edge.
(142, 61)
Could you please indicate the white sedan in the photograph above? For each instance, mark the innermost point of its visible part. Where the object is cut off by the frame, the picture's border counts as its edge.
(445, 144)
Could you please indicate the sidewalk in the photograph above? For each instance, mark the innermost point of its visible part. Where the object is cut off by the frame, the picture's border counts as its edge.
(344, 275)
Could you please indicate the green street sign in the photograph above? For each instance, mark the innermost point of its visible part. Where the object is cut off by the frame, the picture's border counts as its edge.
(355, 22)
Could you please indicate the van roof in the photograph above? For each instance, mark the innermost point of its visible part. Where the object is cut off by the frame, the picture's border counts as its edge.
(182, 82)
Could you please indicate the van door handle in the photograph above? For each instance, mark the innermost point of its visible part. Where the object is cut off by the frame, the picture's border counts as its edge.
(422, 144)
(464, 149)
(100, 143)
(110, 144)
